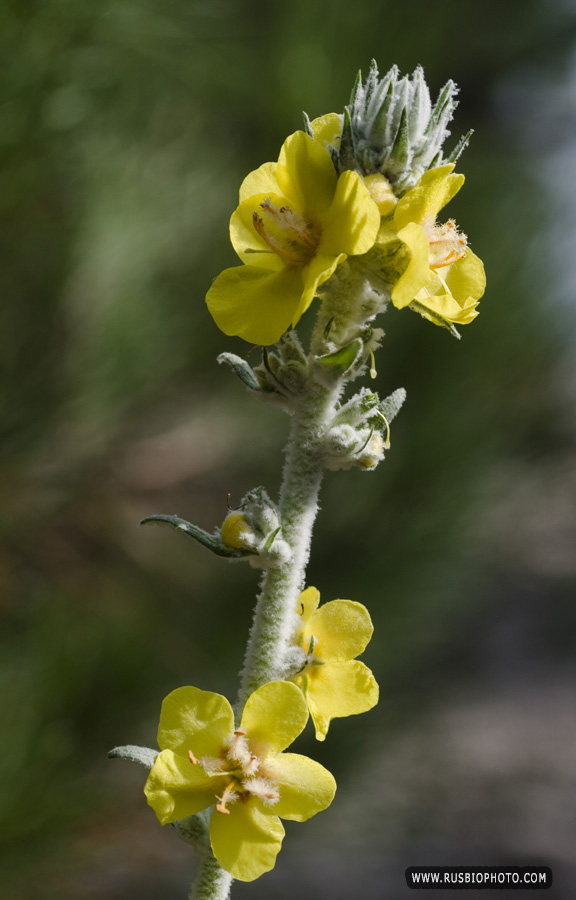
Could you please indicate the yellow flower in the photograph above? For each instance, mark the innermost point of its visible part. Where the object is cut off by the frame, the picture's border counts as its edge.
(206, 761)
(297, 220)
(334, 683)
(443, 279)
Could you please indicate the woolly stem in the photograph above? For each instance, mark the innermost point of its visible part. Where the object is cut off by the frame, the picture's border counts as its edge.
(212, 882)
(275, 617)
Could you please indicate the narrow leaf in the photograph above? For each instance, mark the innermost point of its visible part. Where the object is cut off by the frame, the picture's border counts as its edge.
(241, 368)
(144, 756)
(211, 541)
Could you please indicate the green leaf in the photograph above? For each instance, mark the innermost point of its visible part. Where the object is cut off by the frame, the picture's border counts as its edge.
(144, 756)
(339, 362)
(211, 541)
(241, 368)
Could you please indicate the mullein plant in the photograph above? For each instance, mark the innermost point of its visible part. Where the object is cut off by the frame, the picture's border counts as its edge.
(346, 219)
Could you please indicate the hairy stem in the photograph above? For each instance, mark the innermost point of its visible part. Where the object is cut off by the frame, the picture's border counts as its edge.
(212, 882)
(275, 618)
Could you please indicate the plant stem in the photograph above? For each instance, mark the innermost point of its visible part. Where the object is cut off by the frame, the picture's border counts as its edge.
(212, 882)
(275, 617)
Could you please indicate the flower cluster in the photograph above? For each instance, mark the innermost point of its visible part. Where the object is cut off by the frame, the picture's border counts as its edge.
(365, 187)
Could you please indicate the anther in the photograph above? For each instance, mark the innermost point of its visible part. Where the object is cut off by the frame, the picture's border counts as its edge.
(192, 758)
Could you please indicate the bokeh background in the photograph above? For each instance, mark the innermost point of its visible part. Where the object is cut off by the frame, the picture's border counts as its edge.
(125, 130)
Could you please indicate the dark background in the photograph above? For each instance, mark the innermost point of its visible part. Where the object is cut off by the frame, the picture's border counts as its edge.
(126, 128)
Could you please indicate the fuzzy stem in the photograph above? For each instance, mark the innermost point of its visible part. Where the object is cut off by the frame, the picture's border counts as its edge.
(212, 882)
(275, 618)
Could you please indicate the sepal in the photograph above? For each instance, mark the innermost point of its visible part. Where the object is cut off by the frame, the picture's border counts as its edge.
(391, 405)
(390, 127)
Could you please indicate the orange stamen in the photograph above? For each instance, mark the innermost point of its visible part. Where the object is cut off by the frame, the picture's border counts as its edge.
(221, 806)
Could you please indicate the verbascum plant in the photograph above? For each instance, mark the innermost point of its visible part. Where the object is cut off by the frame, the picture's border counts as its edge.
(346, 220)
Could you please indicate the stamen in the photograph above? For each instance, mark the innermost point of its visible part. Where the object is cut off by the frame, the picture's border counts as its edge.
(387, 441)
(224, 799)
(373, 372)
(287, 233)
(451, 258)
(192, 758)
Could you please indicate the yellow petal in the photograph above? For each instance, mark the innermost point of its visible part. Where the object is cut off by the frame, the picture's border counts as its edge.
(423, 202)
(306, 175)
(250, 247)
(339, 689)
(255, 304)
(195, 720)
(327, 129)
(176, 788)
(342, 629)
(318, 270)
(305, 787)
(247, 841)
(260, 181)
(273, 717)
(417, 272)
(443, 310)
(352, 222)
(307, 602)
(465, 278)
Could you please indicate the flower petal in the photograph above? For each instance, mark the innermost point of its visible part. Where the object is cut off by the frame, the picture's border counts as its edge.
(305, 787)
(176, 788)
(417, 273)
(443, 310)
(342, 629)
(327, 130)
(306, 174)
(195, 720)
(352, 222)
(255, 304)
(247, 841)
(339, 689)
(466, 278)
(260, 181)
(423, 202)
(273, 717)
(318, 270)
(307, 602)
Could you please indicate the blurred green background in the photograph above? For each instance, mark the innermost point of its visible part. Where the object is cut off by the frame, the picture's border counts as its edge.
(125, 131)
